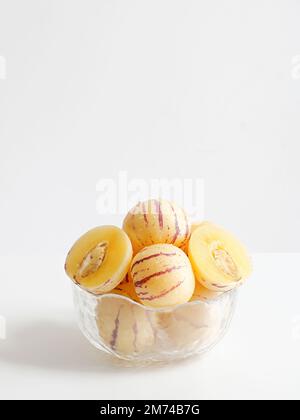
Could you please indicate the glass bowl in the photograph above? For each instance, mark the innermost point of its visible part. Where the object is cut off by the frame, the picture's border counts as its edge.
(130, 331)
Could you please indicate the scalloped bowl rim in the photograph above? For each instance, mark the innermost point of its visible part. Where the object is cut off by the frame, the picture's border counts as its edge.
(232, 293)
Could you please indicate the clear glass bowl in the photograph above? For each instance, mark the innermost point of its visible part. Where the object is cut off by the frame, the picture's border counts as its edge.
(130, 331)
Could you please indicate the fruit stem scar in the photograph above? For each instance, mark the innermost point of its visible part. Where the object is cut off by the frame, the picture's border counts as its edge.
(93, 260)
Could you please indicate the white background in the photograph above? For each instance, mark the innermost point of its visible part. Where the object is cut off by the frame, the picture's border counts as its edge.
(161, 88)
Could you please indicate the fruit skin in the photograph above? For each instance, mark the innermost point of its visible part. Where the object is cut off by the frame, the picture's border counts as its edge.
(190, 325)
(125, 327)
(194, 226)
(220, 262)
(126, 288)
(111, 267)
(202, 293)
(157, 222)
(162, 276)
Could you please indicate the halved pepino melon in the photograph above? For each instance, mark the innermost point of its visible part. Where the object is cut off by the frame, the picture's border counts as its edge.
(100, 259)
(219, 260)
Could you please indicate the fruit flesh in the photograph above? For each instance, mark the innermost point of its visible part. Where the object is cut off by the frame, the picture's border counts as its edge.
(100, 259)
(194, 226)
(220, 262)
(157, 222)
(162, 276)
(124, 327)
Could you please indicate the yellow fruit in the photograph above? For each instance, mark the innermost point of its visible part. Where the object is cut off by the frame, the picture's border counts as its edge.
(100, 259)
(125, 327)
(194, 226)
(219, 260)
(190, 325)
(202, 293)
(162, 276)
(126, 288)
(157, 222)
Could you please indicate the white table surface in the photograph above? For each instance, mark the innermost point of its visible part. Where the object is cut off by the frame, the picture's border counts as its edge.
(44, 356)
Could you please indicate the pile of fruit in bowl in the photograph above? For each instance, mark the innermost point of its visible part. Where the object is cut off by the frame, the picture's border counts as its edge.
(161, 288)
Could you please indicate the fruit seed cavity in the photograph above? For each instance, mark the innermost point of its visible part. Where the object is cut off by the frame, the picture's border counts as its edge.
(93, 260)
